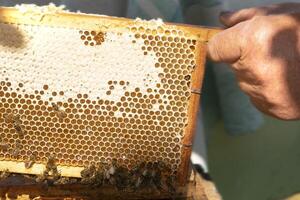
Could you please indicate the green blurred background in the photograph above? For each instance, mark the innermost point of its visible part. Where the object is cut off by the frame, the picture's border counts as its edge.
(260, 166)
(264, 165)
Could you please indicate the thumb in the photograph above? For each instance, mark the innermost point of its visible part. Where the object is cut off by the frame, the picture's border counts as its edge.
(226, 45)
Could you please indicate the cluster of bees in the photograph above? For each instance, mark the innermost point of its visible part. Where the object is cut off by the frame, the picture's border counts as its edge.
(151, 175)
(148, 175)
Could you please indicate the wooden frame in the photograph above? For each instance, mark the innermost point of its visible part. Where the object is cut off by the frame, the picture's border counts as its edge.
(20, 188)
(95, 22)
(197, 78)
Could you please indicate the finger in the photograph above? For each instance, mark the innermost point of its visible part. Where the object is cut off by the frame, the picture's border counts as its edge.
(232, 18)
(248, 88)
(261, 105)
(226, 45)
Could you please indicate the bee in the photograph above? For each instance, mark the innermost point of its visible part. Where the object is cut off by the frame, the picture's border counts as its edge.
(51, 163)
(87, 174)
(50, 174)
(30, 162)
(153, 177)
(15, 120)
(117, 175)
(110, 172)
(9, 118)
(16, 150)
(170, 182)
(18, 124)
(122, 178)
(3, 146)
(139, 175)
(41, 178)
(4, 174)
(55, 106)
(18, 128)
(52, 168)
(62, 181)
(109, 169)
(65, 181)
(92, 175)
(168, 179)
(99, 176)
(72, 180)
(156, 176)
(60, 113)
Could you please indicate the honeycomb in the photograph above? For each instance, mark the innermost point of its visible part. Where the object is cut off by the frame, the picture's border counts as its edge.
(88, 96)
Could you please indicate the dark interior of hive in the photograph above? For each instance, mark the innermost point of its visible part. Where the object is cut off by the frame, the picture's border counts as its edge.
(95, 106)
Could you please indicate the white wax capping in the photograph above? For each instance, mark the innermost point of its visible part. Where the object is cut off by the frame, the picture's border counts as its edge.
(32, 8)
(154, 22)
(65, 64)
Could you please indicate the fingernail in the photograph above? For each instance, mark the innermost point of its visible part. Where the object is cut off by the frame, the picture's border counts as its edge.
(226, 13)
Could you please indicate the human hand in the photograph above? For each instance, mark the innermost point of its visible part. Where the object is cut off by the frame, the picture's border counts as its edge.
(263, 47)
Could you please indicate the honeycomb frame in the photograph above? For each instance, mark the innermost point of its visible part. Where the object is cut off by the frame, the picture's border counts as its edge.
(92, 31)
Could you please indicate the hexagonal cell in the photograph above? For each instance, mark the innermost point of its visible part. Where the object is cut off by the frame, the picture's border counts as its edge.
(143, 121)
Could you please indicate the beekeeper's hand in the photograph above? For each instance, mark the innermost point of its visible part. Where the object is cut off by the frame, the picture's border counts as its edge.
(263, 47)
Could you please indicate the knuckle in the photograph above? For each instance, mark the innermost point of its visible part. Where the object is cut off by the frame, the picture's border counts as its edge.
(261, 29)
(264, 23)
(213, 48)
(252, 11)
(244, 86)
(285, 113)
(278, 106)
(252, 90)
